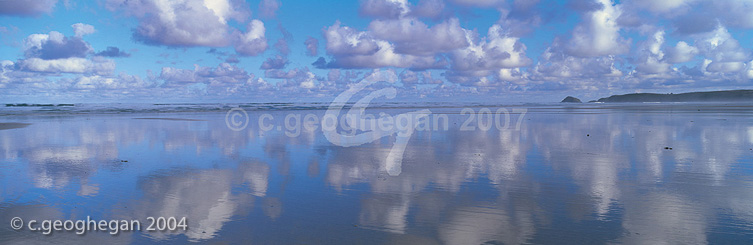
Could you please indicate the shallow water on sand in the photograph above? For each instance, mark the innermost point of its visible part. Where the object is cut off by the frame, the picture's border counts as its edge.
(624, 174)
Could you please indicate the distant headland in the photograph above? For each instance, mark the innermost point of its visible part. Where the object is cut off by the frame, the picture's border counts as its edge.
(711, 96)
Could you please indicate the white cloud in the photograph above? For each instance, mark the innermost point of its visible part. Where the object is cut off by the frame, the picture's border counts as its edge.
(308, 83)
(123, 82)
(494, 52)
(182, 22)
(682, 52)
(725, 66)
(521, 18)
(411, 36)
(55, 46)
(395, 39)
(479, 3)
(312, 46)
(276, 62)
(343, 40)
(36, 40)
(81, 29)
(387, 9)
(511, 74)
(221, 9)
(224, 73)
(408, 76)
(428, 8)
(664, 5)
(297, 81)
(736, 13)
(68, 65)
(354, 49)
(26, 8)
(651, 56)
(268, 8)
(723, 50)
(556, 64)
(6, 66)
(599, 34)
(253, 42)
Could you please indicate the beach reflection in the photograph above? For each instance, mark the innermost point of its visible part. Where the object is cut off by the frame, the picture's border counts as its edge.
(42, 211)
(569, 175)
(204, 197)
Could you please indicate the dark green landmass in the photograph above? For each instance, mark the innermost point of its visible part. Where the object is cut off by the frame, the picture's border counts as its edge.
(713, 96)
(570, 99)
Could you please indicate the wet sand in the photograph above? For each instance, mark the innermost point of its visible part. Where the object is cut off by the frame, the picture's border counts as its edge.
(168, 119)
(5, 126)
(570, 175)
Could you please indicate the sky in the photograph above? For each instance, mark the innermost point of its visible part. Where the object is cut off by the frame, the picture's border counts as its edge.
(437, 50)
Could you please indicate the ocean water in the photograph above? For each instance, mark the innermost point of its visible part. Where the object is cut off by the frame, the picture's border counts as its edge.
(520, 174)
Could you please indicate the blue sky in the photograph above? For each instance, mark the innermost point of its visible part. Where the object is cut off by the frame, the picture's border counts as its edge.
(439, 50)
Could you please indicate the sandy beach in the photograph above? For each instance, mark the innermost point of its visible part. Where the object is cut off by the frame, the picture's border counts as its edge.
(591, 173)
(4, 126)
(460, 122)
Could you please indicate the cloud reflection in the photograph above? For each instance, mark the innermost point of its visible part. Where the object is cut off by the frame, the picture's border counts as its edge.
(205, 197)
(610, 174)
